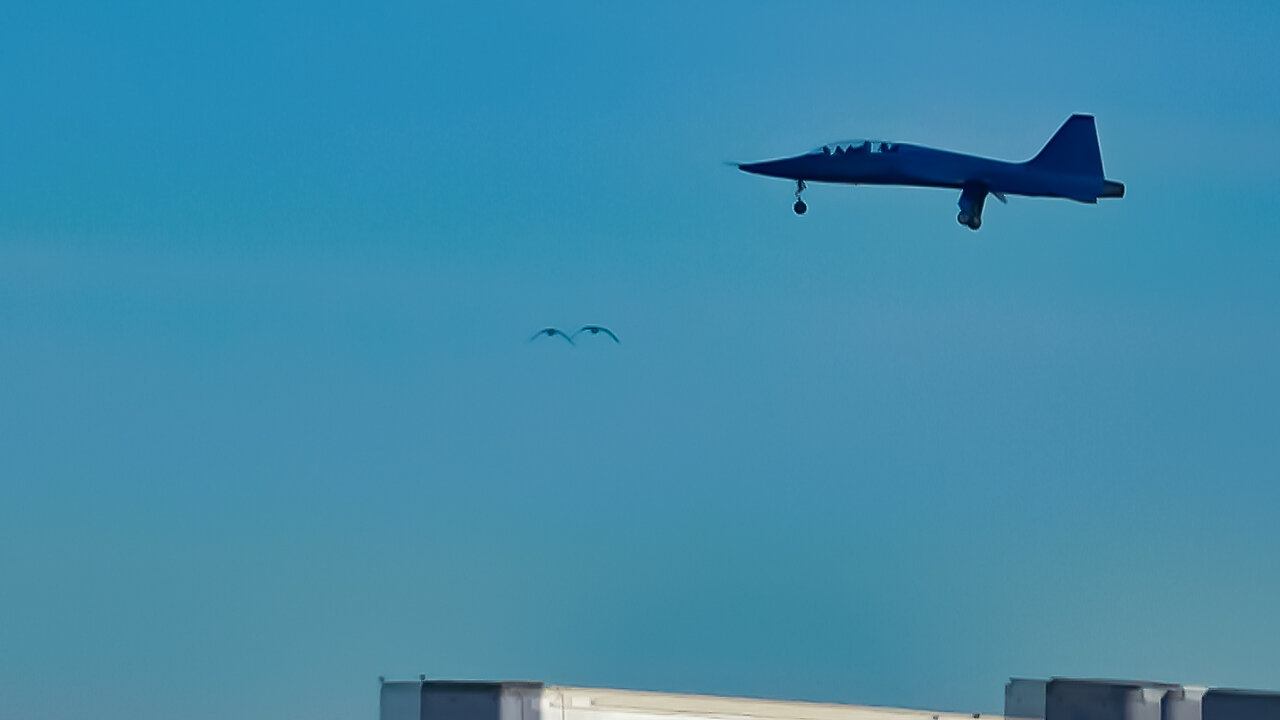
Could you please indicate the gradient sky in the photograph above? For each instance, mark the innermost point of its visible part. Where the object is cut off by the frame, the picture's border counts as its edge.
(269, 426)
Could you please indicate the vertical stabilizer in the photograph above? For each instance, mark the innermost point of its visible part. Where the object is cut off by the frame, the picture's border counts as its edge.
(1073, 150)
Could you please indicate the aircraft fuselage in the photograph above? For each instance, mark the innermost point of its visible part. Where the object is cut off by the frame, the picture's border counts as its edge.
(914, 165)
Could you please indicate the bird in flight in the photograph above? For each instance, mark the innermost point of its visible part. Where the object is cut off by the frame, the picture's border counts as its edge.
(551, 332)
(596, 330)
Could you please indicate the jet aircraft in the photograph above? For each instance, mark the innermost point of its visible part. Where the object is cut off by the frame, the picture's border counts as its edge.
(1069, 166)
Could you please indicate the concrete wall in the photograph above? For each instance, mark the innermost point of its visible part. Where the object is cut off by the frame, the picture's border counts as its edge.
(400, 701)
(1105, 700)
(1025, 698)
(1182, 704)
(435, 700)
(1057, 699)
(1240, 705)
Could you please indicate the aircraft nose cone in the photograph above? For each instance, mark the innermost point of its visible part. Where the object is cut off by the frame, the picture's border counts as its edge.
(768, 167)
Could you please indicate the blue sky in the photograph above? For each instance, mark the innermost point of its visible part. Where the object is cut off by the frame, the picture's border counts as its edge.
(270, 426)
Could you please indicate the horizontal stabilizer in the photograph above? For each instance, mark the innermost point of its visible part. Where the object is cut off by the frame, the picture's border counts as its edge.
(1073, 150)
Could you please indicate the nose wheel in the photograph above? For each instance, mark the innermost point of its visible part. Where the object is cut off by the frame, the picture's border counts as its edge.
(800, 207)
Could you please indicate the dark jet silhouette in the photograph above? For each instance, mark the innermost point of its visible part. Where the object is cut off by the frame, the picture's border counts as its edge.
(596, 330)
(551, 332)
(1069, 166)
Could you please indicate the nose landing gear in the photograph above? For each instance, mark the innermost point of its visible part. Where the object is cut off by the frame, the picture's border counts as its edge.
(800, 207)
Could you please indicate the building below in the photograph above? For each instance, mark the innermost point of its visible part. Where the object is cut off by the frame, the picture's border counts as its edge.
(1056, 699)
(1068, 699)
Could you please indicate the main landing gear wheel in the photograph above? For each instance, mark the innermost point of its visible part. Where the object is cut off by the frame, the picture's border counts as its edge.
(799, 207)
(972, 197)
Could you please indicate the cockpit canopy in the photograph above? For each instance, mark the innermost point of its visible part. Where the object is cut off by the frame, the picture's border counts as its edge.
(855, 146)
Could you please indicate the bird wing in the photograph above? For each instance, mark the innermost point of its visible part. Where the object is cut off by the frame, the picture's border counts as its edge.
(550, 331)
(593, 329)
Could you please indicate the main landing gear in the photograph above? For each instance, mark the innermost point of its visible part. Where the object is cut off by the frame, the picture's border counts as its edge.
(972, 221)
(799, 207)
(972, 198)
